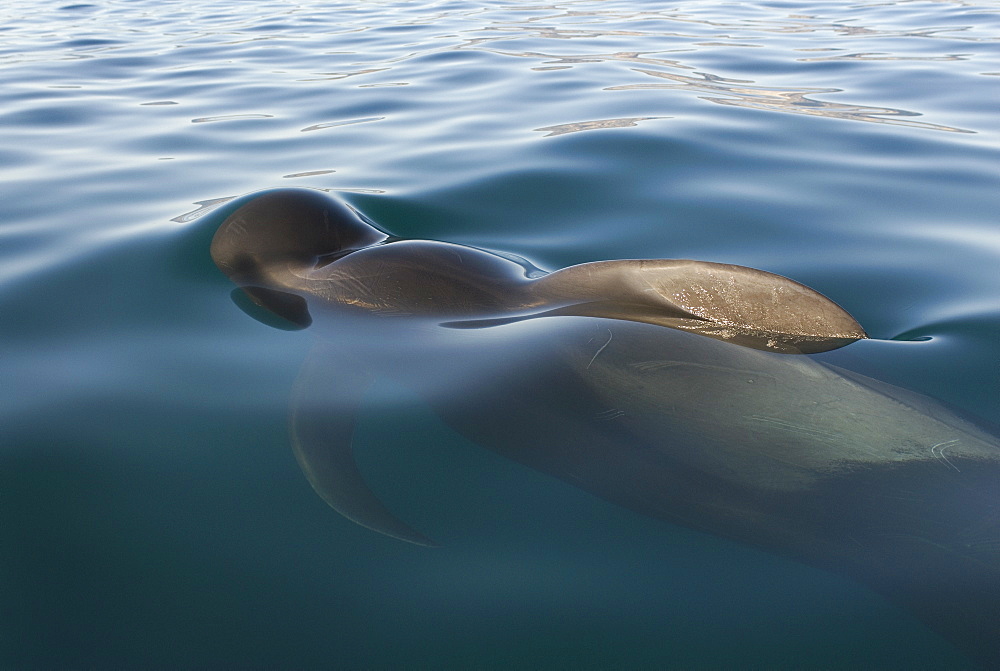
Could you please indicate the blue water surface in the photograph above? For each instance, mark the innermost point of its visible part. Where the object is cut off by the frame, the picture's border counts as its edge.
(151, 512)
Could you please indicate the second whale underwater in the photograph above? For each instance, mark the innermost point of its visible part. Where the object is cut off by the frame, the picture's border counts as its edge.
(673, 388)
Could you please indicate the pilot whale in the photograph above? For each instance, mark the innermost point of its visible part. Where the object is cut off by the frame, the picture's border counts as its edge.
(677, 389)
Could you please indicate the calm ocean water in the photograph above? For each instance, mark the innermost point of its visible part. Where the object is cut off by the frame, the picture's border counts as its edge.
(151, 512)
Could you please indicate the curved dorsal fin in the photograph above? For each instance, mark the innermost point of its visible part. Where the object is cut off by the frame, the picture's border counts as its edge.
(742, 305)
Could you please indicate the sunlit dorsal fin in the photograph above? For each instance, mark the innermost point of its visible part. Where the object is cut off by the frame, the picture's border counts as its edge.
(749, 307)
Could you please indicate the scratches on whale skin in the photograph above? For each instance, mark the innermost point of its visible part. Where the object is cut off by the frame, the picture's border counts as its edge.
(238, 226)
(792, 427)
(611, 413)
(600, 349)
(937, 452)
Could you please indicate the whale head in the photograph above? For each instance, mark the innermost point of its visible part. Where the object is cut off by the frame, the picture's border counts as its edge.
(266, 243)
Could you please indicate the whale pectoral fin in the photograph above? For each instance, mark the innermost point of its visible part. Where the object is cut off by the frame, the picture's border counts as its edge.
(745, 306)
(281, 309)
(322, 420)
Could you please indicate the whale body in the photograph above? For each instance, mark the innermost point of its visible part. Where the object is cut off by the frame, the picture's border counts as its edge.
(674, 388)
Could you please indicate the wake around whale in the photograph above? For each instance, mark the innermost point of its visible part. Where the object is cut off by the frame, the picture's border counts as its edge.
(673, 388)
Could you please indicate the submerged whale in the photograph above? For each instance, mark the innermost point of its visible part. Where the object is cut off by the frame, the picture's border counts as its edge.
(673, 388)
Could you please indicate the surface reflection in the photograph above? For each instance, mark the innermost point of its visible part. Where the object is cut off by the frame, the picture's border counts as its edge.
(599, 124)
(760, 96)
(877, 56)
(795, 101)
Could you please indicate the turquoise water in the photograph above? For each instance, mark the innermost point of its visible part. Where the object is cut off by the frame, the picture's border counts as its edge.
(151, 512)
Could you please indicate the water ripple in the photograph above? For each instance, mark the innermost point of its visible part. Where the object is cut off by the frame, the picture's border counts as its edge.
(560, 132)
(795, 101)
(599, 124)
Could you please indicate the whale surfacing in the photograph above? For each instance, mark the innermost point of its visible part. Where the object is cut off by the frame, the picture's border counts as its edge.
(292, 244)
(674, 388)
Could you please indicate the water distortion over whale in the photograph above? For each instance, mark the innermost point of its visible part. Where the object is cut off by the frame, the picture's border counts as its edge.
(674, 388)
